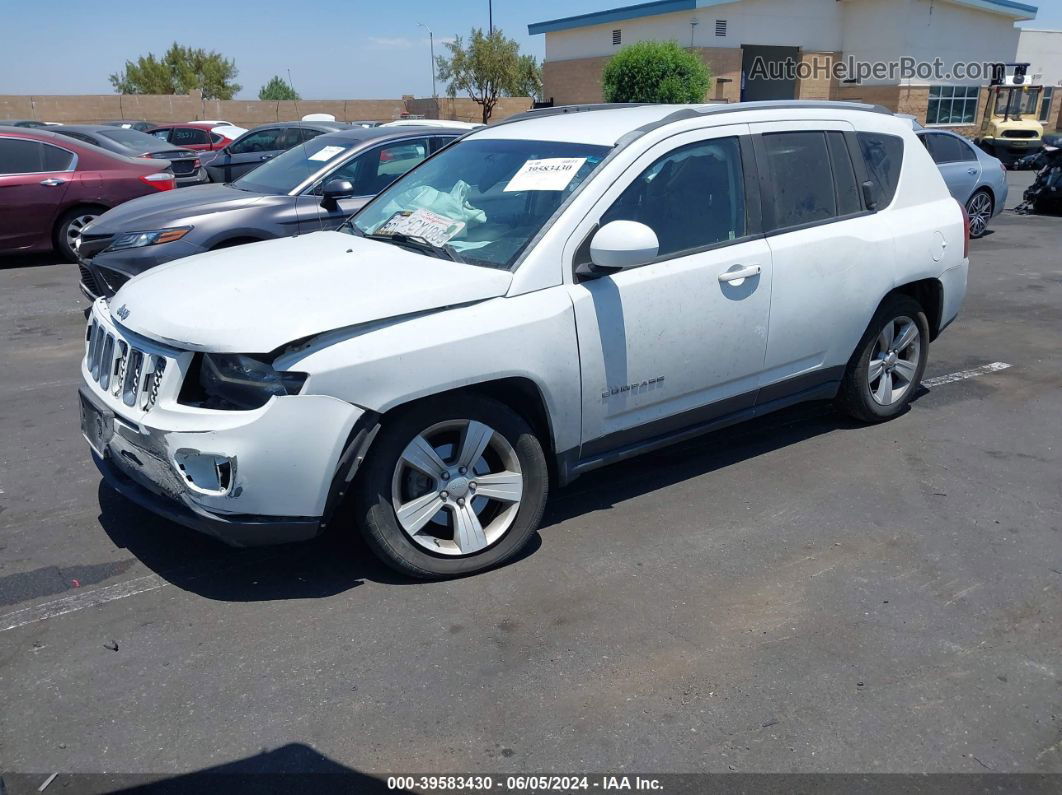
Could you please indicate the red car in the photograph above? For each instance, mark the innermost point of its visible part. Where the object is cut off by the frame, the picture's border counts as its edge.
(52, 185)
(201, 136)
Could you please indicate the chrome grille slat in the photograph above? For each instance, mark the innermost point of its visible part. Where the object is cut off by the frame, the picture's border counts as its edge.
(132, 375)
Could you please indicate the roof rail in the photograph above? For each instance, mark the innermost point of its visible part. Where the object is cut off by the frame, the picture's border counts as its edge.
(560, 110)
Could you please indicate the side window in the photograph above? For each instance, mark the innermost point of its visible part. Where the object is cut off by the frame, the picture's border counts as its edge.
(691, 197)
(57, 159)
(20, 157)
(883, 155)
(374, 170)
(844, 177)
(306, 135)
(189, 136)
(258, 141)
(439, 141)
(800, 181)
(79, 137)
(947, 149)
(162, 134)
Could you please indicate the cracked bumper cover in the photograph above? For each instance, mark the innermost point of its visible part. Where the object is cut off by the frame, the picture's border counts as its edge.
(284, 461)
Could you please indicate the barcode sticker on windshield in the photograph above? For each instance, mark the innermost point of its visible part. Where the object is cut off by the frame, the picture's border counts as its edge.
(326, 153)
(425, 224)
(552, 173)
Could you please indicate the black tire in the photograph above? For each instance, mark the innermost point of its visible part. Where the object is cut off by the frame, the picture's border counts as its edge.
(855, 397)
(374, 509)
(63, 245)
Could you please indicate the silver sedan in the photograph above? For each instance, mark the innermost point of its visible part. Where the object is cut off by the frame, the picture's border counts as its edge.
(976, 179)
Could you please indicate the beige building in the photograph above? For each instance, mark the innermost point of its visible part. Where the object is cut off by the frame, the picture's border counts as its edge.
(808, 49)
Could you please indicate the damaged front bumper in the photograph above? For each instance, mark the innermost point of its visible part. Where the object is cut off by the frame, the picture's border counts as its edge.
(247, 477)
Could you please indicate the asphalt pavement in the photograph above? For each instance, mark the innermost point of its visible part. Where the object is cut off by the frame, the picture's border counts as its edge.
(801, 593)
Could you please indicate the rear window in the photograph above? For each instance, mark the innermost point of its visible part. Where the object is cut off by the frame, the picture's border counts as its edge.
(800, 178)
(32, 157)
(883, 155)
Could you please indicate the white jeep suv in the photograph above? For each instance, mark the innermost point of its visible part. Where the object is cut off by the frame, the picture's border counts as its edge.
(545, 296)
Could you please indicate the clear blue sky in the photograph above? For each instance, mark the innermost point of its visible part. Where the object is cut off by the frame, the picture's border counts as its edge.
(341, 49)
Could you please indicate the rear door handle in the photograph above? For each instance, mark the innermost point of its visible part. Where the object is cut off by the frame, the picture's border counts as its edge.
(971, 171)
(52, 182)
(739, 274)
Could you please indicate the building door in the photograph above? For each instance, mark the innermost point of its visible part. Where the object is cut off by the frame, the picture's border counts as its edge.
(768, 72)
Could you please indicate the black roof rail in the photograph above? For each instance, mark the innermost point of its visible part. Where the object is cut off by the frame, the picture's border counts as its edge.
(560, 110)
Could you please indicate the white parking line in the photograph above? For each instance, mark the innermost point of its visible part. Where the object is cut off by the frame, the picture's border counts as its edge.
(79, 601)
(951, 378)
(153, 582)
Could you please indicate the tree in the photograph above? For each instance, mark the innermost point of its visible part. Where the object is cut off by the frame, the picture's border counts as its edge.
(655, 71)
(179, 71)
(277, 89)
(490, 67)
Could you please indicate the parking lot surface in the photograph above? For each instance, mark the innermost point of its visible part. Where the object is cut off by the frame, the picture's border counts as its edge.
(801, 593)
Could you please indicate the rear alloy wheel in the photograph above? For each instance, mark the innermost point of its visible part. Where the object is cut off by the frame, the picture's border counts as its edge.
(886, 369)
(69, 232)
(451, 487)
(979, 207)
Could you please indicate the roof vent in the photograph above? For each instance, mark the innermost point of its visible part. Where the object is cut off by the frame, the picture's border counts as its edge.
(720, 27)
(616, 37)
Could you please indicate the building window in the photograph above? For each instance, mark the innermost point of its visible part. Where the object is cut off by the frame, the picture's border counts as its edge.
(952, 104)
(616, 37)
(720, 27)
(1045, 103)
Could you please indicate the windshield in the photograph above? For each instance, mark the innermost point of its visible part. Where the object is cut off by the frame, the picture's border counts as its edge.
(281, 174)
(141, 142)
(483, 200)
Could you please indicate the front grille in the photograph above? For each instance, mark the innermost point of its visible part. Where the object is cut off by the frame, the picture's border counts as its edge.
(91, 245)
(127, 373)
(109, 281)
(1019, 133)
(89, 280)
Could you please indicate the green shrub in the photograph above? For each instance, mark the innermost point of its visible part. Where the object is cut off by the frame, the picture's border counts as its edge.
(655, 71)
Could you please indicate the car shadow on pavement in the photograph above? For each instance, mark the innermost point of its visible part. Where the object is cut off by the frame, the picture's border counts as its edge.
(28, 260)
(601, 489)
(294, 767)
(339, 559)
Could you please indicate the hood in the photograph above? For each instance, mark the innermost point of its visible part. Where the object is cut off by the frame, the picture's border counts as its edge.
(257, 297)
(171, 208)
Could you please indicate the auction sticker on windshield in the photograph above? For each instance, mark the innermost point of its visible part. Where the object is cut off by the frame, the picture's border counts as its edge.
(326, 153)
(551, 173)
(435, 228)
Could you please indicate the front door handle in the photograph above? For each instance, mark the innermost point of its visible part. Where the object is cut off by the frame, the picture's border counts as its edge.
(971, 171)
(52, 182)
(738, 274)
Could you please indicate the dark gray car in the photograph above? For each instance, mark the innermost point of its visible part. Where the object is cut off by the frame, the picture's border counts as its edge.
(183, 162)
(310, 187)
(263, 143)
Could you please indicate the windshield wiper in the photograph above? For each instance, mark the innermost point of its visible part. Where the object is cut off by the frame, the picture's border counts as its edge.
(417, 243)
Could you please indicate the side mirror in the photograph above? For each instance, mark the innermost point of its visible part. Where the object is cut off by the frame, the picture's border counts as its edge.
(336, 189)
(623, 244)
(869, 198)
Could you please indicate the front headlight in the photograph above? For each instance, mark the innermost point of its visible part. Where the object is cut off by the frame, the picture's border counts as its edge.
(236, 381)
(152, 238)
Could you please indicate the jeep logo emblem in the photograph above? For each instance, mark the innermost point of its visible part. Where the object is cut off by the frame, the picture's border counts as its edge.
(123, 312)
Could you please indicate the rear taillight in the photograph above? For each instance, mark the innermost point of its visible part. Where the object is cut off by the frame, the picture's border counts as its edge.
(965, 229)
(160, 180)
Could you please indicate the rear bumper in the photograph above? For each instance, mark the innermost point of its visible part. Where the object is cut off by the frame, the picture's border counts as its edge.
(200, 177)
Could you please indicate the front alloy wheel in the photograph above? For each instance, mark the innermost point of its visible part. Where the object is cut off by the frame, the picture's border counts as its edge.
(456, 488)
(450, 486)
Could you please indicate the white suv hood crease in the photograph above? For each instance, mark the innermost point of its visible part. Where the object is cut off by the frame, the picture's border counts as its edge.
(260, 296)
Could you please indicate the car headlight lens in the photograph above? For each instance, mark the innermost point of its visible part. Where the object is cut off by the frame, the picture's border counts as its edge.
(236, 381)
(152, 238)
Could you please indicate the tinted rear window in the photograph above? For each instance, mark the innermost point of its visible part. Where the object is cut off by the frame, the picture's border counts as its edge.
(800, 178)
(883, 155)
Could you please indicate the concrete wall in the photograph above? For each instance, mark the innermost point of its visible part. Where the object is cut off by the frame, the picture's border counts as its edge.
(245, 113)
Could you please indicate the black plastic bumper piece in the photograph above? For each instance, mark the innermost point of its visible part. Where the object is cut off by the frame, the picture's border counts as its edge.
(238, 531)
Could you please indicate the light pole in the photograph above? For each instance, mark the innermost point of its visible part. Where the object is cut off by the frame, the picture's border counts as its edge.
(431, 45)
(490, 17)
